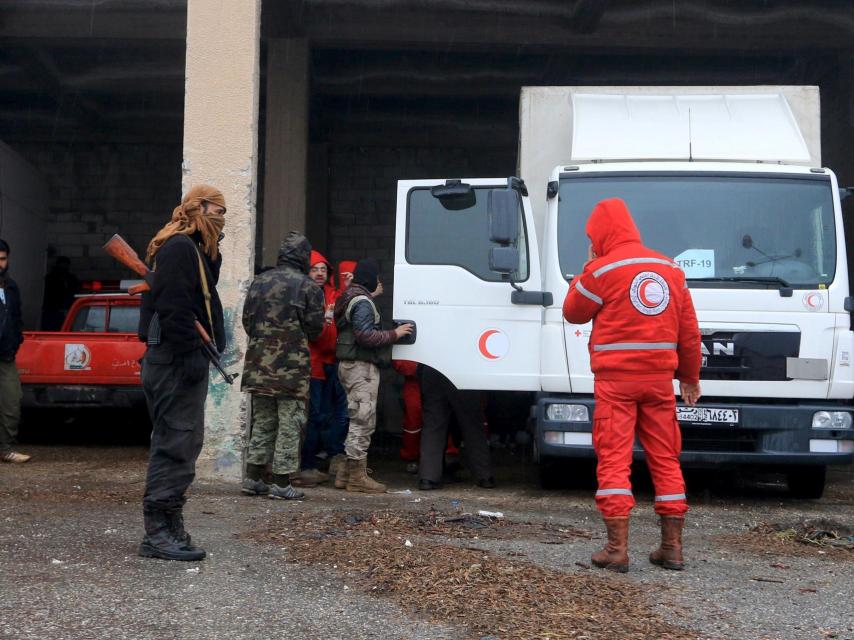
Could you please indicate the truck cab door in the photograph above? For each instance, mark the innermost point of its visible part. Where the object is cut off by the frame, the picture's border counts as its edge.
(467, 273)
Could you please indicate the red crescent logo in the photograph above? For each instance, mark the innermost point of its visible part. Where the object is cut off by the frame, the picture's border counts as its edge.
(481, 344)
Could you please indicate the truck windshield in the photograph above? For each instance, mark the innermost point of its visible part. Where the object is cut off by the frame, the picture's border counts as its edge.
(736, 230)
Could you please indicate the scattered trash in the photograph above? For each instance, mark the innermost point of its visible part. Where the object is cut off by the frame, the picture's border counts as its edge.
(193, 570)
(491, 514)
(55, 561)
(761, 579)
(416, 501)
(824, 533)
(404, 492)
(780, 565)
(808, 590)
(456, 504)
(583, 565)
(468, 520)
(407, 544)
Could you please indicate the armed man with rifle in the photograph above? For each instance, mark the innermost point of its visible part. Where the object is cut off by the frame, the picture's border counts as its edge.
(185, 259)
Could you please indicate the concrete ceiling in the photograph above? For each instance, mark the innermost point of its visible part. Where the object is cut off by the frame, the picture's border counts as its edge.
(83, 69)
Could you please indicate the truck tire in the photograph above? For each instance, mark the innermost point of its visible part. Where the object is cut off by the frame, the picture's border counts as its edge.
(806, 482)
(551, 474)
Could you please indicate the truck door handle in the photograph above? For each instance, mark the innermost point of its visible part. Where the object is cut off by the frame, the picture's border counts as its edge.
(410, 339)
(539, 298)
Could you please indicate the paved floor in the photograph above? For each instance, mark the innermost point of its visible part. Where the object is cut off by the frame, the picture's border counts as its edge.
(70, 522)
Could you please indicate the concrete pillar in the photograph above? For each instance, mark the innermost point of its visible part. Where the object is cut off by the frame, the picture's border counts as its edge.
(220, 148)
(286, 142)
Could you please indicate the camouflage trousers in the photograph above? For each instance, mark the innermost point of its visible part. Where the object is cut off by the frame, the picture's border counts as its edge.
(361, 381)
(277, 426)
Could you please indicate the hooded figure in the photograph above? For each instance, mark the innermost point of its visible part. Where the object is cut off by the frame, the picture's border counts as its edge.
(284, 309)
(645, 334)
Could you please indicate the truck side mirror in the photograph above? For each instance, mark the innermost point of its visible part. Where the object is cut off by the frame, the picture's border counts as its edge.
(504, 260)
(454, 195)
(502, 207)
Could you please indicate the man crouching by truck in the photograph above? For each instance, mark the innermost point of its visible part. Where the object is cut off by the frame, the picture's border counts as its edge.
(185, 258)
(645, 333)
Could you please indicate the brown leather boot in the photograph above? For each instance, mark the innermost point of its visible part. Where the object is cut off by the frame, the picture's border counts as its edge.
(359, 481)
(669, 553)
(615, 555)
(342, 474)
(338, 460)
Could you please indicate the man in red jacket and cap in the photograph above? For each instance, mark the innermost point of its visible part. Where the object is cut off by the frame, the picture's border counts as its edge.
(645, 334)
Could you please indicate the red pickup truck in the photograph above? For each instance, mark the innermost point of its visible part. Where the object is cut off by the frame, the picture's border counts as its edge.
(93, 361)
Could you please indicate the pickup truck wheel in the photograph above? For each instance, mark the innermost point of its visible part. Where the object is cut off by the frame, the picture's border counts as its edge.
(806, 482)
(551, 474)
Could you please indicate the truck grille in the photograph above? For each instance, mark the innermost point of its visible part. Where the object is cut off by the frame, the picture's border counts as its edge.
(723, 439)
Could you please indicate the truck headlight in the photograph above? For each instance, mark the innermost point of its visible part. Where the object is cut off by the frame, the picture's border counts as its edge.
(568, 413)
(831, 420)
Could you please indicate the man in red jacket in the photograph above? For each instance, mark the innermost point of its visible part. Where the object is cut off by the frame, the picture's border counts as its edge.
(645, 333)
(327, 414)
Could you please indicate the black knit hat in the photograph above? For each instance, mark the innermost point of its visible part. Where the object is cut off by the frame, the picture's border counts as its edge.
(367, 273)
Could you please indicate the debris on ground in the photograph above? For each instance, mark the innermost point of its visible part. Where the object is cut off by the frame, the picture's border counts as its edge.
(813, 532)
(484, 593)
(822, 537)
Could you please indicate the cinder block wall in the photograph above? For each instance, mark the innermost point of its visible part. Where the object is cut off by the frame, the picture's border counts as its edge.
(96, 190)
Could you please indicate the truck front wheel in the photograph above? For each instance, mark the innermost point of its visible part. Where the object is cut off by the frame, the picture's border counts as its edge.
(806, 482)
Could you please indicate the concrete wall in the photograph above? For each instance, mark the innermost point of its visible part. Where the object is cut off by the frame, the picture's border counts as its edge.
(23, 208)
(94, 190)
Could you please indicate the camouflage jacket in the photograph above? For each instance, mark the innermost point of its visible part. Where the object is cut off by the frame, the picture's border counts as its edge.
(283, 311)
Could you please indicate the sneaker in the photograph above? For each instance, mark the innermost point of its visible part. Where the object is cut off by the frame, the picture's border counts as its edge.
(285, 493)
(15, 458)
(254, 487)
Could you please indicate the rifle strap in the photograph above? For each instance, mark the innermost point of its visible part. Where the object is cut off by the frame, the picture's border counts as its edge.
(206, 292)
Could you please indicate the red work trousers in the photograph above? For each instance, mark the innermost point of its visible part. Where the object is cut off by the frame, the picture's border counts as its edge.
(648, 408)
(410, 450)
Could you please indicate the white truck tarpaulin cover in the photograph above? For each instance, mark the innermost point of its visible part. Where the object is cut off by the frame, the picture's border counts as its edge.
(752, 127)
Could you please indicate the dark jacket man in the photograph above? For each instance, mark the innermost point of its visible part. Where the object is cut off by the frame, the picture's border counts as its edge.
(11, 338)
(185, 257)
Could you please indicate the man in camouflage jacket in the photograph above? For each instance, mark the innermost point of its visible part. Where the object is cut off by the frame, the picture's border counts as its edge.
(284, 309)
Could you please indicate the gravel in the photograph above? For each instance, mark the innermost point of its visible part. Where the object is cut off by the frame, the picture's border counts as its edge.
(70, 521)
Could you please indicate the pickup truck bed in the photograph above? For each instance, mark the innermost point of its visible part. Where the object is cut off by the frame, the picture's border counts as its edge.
(92, 362)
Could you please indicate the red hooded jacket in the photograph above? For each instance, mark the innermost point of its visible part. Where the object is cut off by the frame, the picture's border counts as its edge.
(322, 350)
(644, 324)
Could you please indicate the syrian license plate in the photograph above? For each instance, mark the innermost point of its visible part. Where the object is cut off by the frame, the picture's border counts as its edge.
(707, 415)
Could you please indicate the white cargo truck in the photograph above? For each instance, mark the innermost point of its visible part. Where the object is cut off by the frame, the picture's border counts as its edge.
(725, 180)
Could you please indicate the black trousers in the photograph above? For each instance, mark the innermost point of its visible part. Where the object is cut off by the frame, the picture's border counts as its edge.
(439, 399)
(177, 410)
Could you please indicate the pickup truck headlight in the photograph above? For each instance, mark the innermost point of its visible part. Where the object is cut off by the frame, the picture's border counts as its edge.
(568, 413)
(831, 420)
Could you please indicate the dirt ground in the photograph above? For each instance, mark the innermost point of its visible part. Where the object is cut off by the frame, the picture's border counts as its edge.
(412, 564)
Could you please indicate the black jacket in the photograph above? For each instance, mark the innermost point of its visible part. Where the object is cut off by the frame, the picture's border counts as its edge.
(177, 299)
(11, 335)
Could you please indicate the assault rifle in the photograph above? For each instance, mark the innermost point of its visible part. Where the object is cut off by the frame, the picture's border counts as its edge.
(124, 253)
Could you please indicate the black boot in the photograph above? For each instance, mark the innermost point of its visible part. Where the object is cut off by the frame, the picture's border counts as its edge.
(160, 542)
(175, 518)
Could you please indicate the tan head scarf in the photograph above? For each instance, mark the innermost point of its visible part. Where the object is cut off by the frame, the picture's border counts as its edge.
(189, 217)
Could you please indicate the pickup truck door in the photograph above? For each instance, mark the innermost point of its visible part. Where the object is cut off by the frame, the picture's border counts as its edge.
(472, 325)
